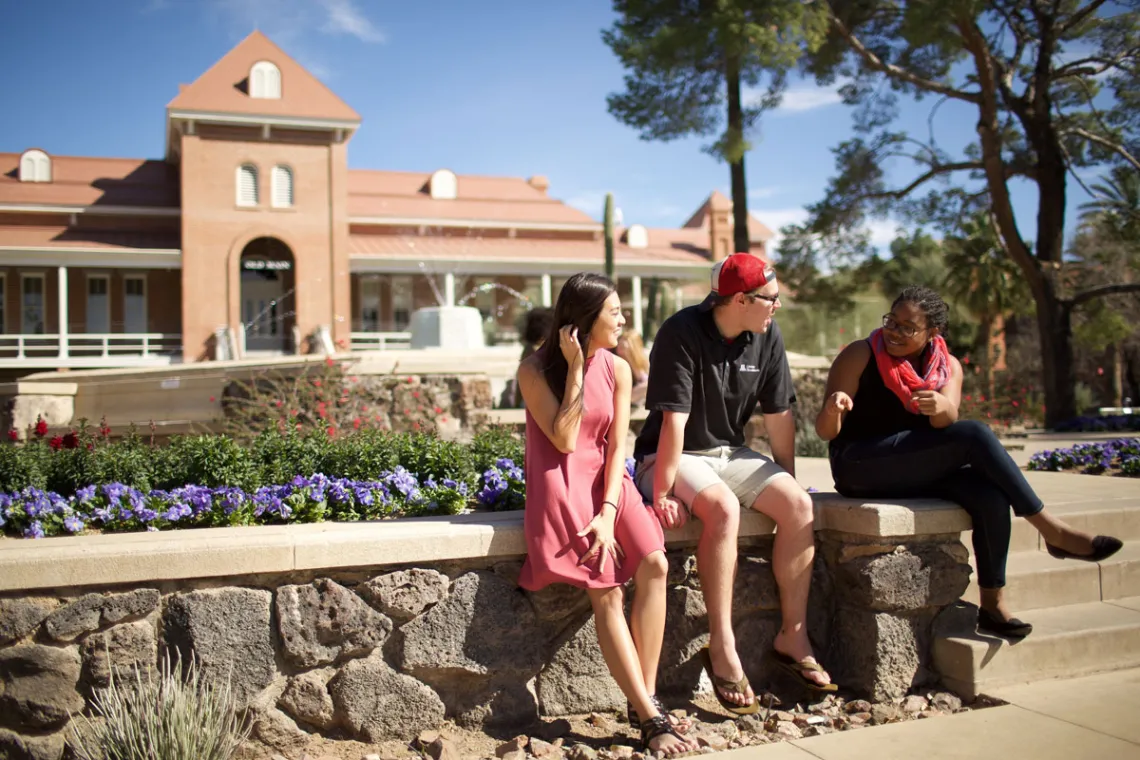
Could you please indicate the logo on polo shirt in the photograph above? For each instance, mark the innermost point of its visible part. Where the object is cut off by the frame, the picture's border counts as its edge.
(749, 368)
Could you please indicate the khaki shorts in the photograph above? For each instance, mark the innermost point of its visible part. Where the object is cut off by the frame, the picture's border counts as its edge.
(746, 473)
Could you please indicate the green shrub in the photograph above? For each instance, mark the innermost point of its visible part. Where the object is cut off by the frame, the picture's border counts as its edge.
(170, 715)
(205, 460)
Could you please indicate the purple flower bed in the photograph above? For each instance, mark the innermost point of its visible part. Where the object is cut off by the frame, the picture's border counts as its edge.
(35, 513)
(1120, 456)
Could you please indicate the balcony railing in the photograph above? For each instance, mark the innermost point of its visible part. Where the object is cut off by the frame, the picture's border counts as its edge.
(90, 349)
(379, 341)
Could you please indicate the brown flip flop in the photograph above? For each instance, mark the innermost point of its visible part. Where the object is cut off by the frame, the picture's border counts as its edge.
(727, 684)
(797, 668)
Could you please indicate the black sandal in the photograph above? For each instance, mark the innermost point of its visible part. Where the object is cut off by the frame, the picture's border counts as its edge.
(659, 725)
(635, 719)
(1012, 628)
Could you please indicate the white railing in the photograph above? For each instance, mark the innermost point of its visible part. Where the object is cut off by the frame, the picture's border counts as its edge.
(106, 347)
(379, 341)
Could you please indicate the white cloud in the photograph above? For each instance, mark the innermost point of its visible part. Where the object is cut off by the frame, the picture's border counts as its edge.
(345, 18)
(882, 231)
(809, 98)
(760, 193)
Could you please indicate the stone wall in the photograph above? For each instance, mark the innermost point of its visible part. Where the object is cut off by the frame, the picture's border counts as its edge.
(383, 653)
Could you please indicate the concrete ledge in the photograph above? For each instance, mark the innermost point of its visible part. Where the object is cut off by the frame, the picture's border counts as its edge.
(110, 559)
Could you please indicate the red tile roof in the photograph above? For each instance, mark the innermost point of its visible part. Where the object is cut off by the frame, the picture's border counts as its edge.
(500, 199)
(26, 236)
(520, 249)
(220, 89)
(83, 181)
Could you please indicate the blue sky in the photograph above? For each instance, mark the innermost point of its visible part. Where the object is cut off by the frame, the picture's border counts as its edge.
(501, 87)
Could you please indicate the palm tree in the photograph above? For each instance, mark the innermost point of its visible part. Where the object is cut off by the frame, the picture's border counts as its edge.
(985, 282)
(1115, 207)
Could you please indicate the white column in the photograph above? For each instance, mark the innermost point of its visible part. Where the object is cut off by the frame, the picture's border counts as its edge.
(637, 321)
(678, 299)
(546, 300)
(449, 289)
(61, 295)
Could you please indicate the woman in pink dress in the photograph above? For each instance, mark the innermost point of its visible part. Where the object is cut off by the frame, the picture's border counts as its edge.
(585, 522)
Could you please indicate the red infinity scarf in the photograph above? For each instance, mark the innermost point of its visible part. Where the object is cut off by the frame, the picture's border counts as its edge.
(899, 376)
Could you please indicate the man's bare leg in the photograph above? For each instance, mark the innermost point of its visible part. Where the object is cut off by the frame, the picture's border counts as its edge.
(786, 502)
(719, 512)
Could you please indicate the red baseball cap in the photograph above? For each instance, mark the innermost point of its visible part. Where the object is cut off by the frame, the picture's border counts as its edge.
(740, 273)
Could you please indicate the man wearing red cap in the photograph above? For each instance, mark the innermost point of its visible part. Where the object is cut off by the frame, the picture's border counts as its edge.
(711, 365)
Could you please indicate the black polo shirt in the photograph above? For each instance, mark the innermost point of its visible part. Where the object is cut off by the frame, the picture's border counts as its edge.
(693, 369)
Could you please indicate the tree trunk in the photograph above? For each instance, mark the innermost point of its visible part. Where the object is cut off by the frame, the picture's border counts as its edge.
(984, 348)
(740, 239)
(1054, 322)
(1118, 374)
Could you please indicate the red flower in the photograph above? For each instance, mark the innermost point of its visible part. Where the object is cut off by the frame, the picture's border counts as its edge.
(331, 431)
(356, 424)
(1100, 370)
(438, 410)
(965, 360)
(329, 362)
(212, 399)
(71, 441)
(56, 443)
(13, 435)
(415, 426)
(41, 427)
(352, 379)
(322, 413)
(415, 394)
(969, 397)
(443, 419)
(411, 380)
(280, 404)
(1015, 403)
(317, 383)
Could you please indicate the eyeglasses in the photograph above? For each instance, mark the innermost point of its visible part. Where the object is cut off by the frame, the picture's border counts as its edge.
(890, 323)
(773, 300)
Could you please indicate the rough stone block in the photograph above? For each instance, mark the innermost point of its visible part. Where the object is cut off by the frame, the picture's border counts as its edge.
(94, 611)
(909, 578)
(576, 680)
(485, 627)
(405, 594)
(755, 587)
(376, 703)
(558, 601)
(13, 746)
(118, 651)
(307, 699)
(19, 617)
(38, 686)
(879, 654)
(228, 631)
(323, 621)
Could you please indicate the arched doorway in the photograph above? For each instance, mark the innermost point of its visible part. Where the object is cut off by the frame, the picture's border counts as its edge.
(267, 299)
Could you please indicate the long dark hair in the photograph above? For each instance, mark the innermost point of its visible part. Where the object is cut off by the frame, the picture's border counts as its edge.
(579, 304)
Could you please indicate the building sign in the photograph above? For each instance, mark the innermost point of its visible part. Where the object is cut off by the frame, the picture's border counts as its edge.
(261, 265)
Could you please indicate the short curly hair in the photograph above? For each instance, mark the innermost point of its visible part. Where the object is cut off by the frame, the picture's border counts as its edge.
(933, 307)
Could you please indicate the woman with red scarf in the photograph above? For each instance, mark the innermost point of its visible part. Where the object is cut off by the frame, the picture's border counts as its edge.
(891, 416)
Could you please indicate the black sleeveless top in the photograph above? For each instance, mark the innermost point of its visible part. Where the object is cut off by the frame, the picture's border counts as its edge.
(877, 412)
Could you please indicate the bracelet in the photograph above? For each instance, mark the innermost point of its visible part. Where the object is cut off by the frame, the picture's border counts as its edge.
(604, 503)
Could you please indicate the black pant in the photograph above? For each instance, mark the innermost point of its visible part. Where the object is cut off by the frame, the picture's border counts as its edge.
(963, 463)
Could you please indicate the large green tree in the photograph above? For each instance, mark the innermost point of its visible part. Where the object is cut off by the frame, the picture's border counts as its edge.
(689, 63)
(1051, 86)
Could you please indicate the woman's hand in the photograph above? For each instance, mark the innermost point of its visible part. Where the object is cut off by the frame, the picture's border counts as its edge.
(931, 403)
(602, 526)
(839, 402)
(571, 348)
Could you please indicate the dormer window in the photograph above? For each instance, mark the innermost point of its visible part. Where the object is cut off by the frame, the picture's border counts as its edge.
(35, 166)
(265, 81)
(443, 185)
(247, 185)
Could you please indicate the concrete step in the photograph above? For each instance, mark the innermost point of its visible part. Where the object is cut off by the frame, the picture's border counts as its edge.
(1117, 516)
(1067, 642)
(1036, 580)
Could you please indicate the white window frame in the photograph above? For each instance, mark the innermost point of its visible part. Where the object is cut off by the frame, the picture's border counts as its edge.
(281, 194)
(239, 182)
(24, 278)
(401, 295)
(106, 279)
(370, 300)
(145, 311)
(265, 81)
(35, 166)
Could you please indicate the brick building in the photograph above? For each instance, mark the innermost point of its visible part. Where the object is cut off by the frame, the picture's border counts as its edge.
(253, 236)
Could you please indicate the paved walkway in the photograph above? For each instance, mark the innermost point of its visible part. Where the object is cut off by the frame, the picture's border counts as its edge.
(1090, 718)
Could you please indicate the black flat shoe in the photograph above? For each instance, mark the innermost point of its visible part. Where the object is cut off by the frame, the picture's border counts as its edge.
(1103, 547)
(1012, 628)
